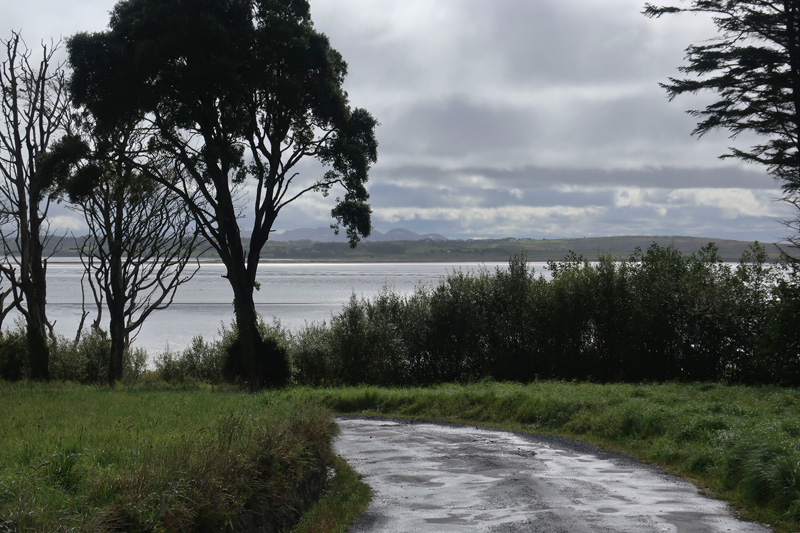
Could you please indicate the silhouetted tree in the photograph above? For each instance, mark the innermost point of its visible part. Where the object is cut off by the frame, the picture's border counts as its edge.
(33, 111)
(239, 92)
(753, 65)
(141, 236)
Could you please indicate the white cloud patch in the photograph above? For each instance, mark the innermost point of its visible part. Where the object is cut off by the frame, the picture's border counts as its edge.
(66, 222)
(732, 202)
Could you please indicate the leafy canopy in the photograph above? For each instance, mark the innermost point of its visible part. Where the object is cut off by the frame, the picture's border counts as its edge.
(238, 89)
(753, 65)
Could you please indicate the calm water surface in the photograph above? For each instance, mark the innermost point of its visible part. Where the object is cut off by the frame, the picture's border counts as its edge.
(295, 293)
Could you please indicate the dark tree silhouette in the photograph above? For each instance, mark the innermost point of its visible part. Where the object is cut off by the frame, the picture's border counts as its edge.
(141, 236)
(753, 65)
(240, 92)
(33, 111)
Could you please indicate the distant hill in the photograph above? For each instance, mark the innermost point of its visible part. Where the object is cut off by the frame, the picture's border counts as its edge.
(491, 250)
(327, 235)
(403, 245)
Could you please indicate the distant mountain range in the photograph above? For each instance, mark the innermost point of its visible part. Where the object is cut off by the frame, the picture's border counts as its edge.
(327, 235)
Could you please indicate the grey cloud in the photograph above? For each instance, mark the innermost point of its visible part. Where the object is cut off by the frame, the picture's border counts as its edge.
(489, 104)
(388, 195)
(532, 177)
(455, 127)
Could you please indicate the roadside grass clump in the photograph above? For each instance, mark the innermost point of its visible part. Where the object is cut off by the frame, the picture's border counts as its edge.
(88, 459)
(346, 497)
(738, 442)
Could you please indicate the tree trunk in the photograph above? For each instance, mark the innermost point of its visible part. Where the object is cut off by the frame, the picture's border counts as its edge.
(38, 352)
(251, 360)
(117, 333)
(34, 287)
(116, 296)
(243, 363)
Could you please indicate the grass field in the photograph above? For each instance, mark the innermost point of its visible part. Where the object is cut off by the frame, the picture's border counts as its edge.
(738, 443)
(79, 458)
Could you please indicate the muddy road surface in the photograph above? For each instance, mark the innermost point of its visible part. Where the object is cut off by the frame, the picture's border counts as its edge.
(442, 477)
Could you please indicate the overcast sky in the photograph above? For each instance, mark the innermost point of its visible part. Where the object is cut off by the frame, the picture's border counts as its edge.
(517, 118)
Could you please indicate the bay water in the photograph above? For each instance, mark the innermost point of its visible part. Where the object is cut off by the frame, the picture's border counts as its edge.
(294, 293)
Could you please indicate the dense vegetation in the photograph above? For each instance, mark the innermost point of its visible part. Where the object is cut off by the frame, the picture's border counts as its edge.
(661, 315)
(77, 458)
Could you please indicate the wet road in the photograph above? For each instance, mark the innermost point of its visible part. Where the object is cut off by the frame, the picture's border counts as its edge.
(440, 477)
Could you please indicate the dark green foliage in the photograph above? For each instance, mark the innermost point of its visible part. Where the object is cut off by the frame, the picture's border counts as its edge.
(14, 355)
(238, 93)
(84, 361)
(753, 68)
(210, 362)
(779, 350)
(202, 361)
(272, 363)
(661, 316)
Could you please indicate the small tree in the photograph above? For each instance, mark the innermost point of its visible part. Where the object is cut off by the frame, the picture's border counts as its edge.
(239, 92)
(140, 237)
(754, 67)
(33, 110)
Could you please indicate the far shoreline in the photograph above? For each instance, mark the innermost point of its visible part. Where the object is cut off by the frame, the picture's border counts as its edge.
(476, 250)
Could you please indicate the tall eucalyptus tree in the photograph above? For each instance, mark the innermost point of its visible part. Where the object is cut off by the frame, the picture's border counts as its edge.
(239, 92)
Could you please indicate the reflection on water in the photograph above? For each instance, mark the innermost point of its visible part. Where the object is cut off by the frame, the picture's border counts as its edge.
(295, 293)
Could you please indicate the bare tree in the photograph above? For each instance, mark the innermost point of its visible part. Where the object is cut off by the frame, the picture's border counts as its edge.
(141, 236)
(33, 110)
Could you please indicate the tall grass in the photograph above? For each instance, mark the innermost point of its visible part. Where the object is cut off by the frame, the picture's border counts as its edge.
(78, 458)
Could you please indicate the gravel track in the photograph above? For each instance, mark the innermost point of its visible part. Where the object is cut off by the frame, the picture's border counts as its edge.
(441, 477)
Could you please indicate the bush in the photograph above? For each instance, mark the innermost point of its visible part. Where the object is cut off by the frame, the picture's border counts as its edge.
(201, 361)
(83, 362)
(206, 361)
(661, 315)
(14, 355)
(312, 357)
(134, 365)
(779, 350)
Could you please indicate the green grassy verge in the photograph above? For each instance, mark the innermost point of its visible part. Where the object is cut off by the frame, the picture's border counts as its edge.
(739, 443)
(346, 498)
(78, 458)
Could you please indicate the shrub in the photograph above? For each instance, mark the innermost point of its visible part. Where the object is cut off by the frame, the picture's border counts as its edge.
(205, 361)
(134, 365)
(779, 349)
(312, 356)
(14, 355)
(85, 361)
(201, 361)
(661, 315)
